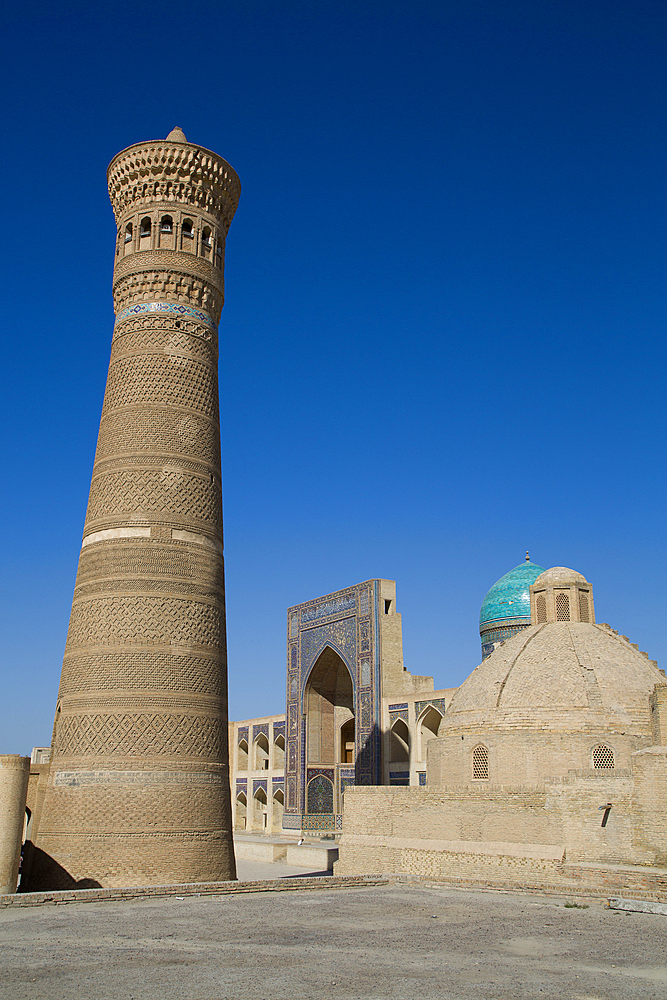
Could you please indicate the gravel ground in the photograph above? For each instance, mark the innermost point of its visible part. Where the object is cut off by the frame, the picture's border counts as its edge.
(397, 941)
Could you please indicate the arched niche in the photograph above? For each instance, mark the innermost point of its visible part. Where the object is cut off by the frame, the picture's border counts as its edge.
(259, 809)
(328, 706)
(261, 751)
(399, 750)
(240, 812)
(279, 752)
(278, 807)
(427, 728)
(242, 756)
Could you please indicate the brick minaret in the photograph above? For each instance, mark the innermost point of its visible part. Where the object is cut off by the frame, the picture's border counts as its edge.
(138, 789)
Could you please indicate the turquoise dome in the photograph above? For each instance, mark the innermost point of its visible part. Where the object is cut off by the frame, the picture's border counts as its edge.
(509, 597)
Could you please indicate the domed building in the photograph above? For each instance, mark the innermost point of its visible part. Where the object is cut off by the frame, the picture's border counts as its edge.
(564, 694)
(506, 608)
(549, 767)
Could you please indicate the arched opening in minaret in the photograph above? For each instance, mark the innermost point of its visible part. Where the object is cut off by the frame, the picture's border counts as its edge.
(145, 234)
(187, 236)
(127, 241)
(166, 232)
(206, 242)
(329, 708)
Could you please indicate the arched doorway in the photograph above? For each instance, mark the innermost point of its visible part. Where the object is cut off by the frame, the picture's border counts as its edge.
(329, 708)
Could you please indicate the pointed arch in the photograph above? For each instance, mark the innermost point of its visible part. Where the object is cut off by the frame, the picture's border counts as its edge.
(328, 702)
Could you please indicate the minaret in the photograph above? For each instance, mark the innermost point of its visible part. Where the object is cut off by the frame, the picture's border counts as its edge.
(138, 790)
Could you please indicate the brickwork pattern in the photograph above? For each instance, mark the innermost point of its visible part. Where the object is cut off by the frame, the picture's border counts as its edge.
(144, 674)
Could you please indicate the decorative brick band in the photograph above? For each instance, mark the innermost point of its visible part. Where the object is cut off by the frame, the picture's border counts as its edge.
(173, 308)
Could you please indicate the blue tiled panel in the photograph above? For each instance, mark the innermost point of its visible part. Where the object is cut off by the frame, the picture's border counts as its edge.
(170, 308)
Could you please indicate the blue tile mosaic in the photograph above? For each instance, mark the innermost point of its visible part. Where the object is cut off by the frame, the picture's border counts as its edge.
(509, 597)
(170, 308)
(259, 783)
(328, 608)
(320, 795)
(422, 777)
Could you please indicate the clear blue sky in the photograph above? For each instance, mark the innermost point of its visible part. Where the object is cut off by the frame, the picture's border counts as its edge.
(443, 341)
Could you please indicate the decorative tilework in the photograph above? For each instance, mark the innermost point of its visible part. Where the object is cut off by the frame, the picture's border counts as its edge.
(173, 308)
(241, 783)
(259, 783)
(278, 729)
(278, 781)
(261, 729)
(313, 772)
(320, 795)
(399, 778)
(437, 703)
(422, 777)
(291, 822)
(242, 733)
(398, 712)
(340, 635)
(318, 822)
(333, 621)
(328, 608)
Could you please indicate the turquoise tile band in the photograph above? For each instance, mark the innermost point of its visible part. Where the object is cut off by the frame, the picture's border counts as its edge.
(170, 308)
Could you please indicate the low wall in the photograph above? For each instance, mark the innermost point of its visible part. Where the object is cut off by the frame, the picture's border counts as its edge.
(522, 836)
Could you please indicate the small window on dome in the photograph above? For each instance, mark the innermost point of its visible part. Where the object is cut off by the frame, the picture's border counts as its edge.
(583, 607)
(480, 763)
(603, 757)
(541, 608)
(562, 607)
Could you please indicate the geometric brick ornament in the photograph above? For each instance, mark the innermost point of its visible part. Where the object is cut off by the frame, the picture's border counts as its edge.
(138, 788)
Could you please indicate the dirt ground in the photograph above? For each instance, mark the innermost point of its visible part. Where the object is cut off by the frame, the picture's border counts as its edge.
(404, 942)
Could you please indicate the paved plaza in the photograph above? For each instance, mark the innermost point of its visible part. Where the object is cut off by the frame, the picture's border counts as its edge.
(399, 941)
